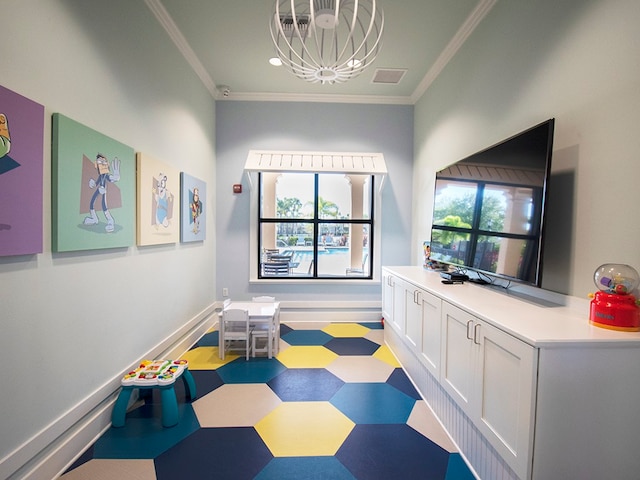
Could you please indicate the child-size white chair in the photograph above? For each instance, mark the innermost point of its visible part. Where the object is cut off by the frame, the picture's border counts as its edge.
(270, 332)
(235, 331)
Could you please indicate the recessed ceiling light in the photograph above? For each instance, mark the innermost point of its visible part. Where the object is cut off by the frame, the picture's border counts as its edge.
(275, 61)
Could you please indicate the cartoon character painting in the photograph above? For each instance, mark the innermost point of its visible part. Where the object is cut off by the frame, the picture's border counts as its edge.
(107, 173)
(163, 201)
(6, 162)
(196, 210)
(5, 138)
(193, 218)
(21, 174)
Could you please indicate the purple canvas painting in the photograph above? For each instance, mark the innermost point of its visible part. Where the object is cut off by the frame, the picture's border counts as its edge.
(21, 157)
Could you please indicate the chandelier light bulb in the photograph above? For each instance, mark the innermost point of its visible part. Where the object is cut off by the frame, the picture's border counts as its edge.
(327, 41)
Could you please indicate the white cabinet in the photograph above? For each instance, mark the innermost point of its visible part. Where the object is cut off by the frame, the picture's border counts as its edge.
(415, 314)
(504, 394)
(527, 389)
(393, 301)
(399, 305)
(423, 314)
(492, 376)
(458, 354)
(387, 296)
(413, 317)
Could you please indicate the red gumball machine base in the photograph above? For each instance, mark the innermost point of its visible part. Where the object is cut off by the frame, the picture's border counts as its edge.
(615, 312)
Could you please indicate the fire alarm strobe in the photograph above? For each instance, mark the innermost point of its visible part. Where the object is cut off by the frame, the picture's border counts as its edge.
(237, 188)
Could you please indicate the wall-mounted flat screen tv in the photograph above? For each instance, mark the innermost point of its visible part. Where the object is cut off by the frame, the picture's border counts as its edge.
(489, 208)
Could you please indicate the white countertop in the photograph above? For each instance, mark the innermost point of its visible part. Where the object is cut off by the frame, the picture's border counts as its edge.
(538, 323)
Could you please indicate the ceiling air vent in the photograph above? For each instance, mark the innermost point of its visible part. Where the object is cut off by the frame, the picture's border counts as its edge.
(389, 76)
(288, 26)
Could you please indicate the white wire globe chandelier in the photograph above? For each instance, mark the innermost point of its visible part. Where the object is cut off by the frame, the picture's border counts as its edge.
(327, 41)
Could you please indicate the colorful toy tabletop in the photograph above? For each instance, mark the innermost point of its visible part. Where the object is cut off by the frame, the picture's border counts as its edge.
(155, 372)
(160, 374)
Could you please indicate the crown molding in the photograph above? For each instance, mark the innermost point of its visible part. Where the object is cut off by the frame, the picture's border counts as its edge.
(180, 41)
(317, 98)
(473, 20)
(461, 36)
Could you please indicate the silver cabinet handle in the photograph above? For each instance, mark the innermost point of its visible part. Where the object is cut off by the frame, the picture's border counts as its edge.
(469, 323)
(476, 329)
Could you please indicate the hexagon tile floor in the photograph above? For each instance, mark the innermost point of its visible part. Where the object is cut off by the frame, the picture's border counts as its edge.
(333, 404)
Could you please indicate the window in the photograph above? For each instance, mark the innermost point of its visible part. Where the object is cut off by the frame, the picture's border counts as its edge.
(315, 225)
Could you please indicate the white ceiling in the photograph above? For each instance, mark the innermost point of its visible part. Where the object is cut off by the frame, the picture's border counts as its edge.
(227, 42)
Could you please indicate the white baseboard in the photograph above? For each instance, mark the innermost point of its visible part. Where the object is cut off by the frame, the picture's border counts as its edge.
(50, 452)
(338, 311)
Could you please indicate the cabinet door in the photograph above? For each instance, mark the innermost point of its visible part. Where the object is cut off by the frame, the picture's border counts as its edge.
(399, 306)
(393, 303)
(413, 330)
(506, 379)
(387, 297)
(431, 319)
(457, 372)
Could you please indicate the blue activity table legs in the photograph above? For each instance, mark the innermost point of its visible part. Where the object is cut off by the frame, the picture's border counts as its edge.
(189, 384)
(167, 396)
(169, 406)
(120, 408)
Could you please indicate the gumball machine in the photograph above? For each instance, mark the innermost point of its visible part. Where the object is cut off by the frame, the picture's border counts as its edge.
(613, 306)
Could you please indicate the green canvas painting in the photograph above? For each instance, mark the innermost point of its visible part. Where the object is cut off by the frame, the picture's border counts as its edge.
(93, 189)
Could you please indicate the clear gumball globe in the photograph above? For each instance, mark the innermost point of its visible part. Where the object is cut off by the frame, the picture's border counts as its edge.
(616, 278)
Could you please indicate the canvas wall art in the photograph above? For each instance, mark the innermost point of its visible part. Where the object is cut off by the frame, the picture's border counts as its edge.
(93, 189)
(158, 196)
(21, 163)
(192, 204)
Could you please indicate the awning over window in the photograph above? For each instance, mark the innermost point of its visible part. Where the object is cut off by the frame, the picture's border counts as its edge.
(316, 162)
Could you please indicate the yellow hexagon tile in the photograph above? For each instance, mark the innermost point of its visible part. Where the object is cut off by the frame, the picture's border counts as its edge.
(206, 358)
(310, 356)
(360, 368)
(235, 405)
(346, 330)
(386, 355)
(297, 429)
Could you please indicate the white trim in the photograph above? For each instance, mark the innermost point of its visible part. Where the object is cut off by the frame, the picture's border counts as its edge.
(461, 36)
(180, 41)
(315, 162)
(317, 98)
(333, 311)
(49, 452)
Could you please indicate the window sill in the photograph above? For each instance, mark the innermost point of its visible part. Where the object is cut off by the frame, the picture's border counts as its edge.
(315, 281)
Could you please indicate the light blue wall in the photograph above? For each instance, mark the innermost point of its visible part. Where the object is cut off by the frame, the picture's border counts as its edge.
(576, 61)
(71, 323)
(242, 126)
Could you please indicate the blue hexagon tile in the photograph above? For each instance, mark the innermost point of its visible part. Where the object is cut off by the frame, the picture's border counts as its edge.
(333, 404)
